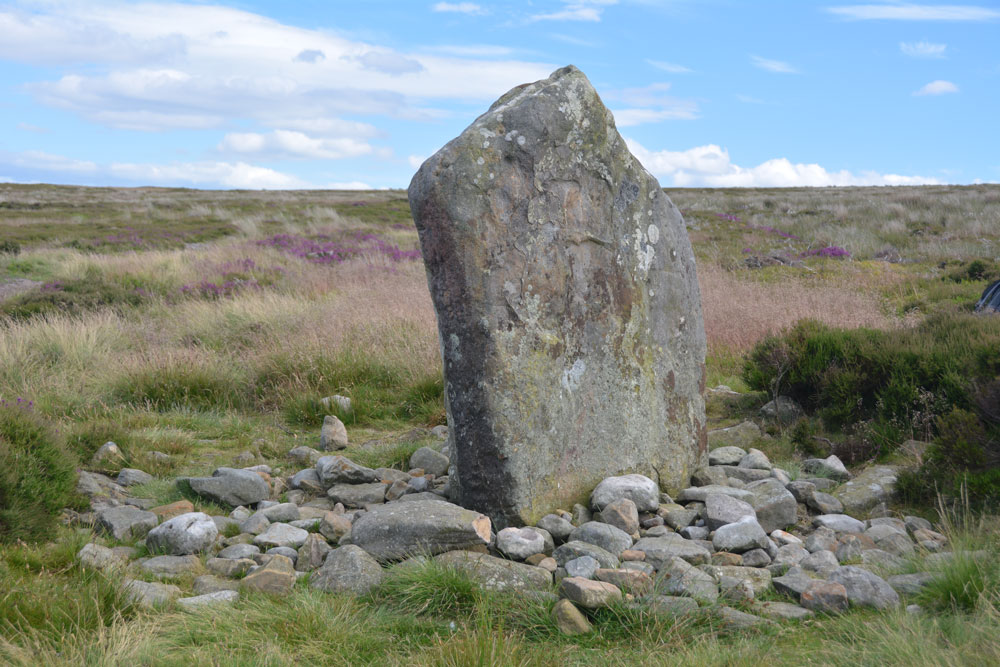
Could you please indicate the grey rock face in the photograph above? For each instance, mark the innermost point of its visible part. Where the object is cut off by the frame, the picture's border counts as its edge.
(660, 550)
(567, 552)
(678, 577)
(640, 489)
(231, 486)
(237, 551)
(623, 515)
(348, 569)
(567, 302)
(214, 599)
(583, 567)
(775, 506)
(189, 533)
(150, 594)
(558, 527)
(726, 456)
(281, 535)
(131, 477)
(431, 461)
(340, 470)
(606, 536)
(740, 536)
(864, 588)
(357, 495)
(398, 530)
(496, 573)
(825, 503)
(171, 566)
(699, 493)
(519, 543)
(97, 557)
(840, 523)
(872, 487)
(831, 467)
(721, 509)
(333, 434)
(126, 522)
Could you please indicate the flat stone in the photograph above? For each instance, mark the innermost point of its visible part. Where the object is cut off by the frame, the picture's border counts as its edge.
(185, 534)
(629, 581)
(569, 620)
(519, 543)
(604, 535)
(746, 475)
(276, 577)
(347, 569)
(398, 530)
(281, 535)
(825, 597)
(733, 619)
(282, 513)
(839, 523)
(864, 588)
(150, 594)
(792, 584)
(678, 577)
(825, 503)
(874, 486)
(722, 509)
(230, 486)
(660, 550)
(756, 558)
(726, 456)
(755, 460)
(558, 527)
(341, 470)
(430, 461)
(132, 477)
(821, 562)
(216, 599)
(910, 584)
(171, 566)
(207, 583)
(229, 567)
(821, 539)
(357, 495)
(126, 522)
(588, 593)
(256, 524)
(334, 526)
(699, 493)
(784, 611)
(567, 270)
(567, 552)
(584, 567)
(831, 467)
(743, 435)
(641, 490)
(775, 506)
(96, 557)
(801, 490)
(498, 574)
(741, 536)
(682, 518)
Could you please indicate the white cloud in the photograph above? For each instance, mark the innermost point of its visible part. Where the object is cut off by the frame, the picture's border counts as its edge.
(923, 49)
(911, 12)
(291, 144)
(711, 166)
(416, 160)
(459, 7)
(157, 66)
(472, 50)
(773, 65)
(228, 174)
(50, 162)
(938, 87)
(650, 104)
(669, 67)
(747, 99)
(577, 10)
(575, 41)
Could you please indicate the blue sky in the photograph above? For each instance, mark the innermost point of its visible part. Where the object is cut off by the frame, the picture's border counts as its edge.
(321, 94)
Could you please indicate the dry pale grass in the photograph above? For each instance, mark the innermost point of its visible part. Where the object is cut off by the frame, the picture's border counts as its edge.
(740, 309)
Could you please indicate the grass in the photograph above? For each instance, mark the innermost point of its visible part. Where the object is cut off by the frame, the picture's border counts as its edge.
(174, 321)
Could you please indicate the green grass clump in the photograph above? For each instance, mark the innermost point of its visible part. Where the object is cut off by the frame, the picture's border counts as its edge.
(73, 297)
(170, 386)
(37, 474)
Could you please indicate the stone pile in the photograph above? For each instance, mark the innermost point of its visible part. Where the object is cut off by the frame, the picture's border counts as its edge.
(746, 530)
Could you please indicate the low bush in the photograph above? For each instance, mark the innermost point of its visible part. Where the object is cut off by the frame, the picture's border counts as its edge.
(9, 247)
(37, 474)
(73, 297)
(939, 380)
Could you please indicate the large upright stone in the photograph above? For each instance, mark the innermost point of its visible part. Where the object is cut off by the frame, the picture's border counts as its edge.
(568, 306)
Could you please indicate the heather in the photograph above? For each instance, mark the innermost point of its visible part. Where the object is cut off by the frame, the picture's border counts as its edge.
(209, 326)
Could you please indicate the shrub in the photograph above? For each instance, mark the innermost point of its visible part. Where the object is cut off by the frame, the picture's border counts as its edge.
(9, 247)
(37, 474)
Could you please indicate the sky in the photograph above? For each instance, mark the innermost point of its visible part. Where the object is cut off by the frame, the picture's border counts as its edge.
(356, 94)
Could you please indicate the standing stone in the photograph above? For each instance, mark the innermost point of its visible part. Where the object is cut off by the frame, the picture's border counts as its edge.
(568, 306)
